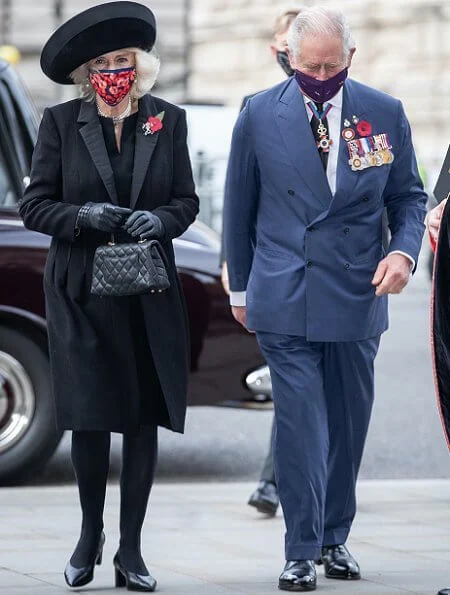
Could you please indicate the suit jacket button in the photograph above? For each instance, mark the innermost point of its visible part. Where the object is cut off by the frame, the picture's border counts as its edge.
(347, 266)
(291, 192)
(309, 263)
(347, 230)
(365, 198)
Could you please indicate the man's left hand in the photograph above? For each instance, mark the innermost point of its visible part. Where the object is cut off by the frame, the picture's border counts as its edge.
(392, 274)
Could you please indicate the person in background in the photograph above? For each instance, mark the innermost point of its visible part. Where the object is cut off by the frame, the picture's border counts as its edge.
(265, 497)
(313, 162)
(114, 162)
(437, 222)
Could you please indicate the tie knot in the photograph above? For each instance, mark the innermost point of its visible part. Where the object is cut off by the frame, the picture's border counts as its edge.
(319, 106)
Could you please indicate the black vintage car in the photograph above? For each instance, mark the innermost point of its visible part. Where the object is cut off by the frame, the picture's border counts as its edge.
(226, 365)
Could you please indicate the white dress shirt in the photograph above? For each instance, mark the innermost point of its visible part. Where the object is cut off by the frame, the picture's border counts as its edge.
(334, 133)
(237, 298)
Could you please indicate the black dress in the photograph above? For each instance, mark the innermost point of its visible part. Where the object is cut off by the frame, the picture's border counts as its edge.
(152, 406)
(121, 161)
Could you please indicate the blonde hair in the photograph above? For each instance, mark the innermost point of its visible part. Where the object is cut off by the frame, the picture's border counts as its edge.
(284, 19)
(147, 69)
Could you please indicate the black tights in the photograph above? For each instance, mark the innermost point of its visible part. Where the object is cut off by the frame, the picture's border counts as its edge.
(90, 459)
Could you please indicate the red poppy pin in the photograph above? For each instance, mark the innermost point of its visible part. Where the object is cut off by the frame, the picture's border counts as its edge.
(153, 124)
(364, 128)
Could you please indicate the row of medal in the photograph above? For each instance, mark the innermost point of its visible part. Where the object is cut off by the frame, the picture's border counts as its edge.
(369, 152)
(366, 151)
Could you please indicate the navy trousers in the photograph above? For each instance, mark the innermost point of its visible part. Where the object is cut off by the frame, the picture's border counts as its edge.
(323, 396)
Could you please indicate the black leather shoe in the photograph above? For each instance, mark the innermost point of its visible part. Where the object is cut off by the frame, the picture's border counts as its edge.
(77, 577)
(339, 563)
(444, 592)
(298, 575)
(265, 498)
(131, 580)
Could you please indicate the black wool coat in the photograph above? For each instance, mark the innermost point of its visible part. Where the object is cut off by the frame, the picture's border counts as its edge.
(92, 348)
(440, 321)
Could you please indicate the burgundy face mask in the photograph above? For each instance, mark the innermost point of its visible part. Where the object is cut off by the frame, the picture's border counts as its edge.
(320, 91)
(113, 85)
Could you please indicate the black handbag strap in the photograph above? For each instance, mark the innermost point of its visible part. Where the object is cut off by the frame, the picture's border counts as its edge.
(153, 244)
(156, 244)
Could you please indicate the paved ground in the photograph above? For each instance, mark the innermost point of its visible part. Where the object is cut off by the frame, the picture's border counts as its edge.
(201, 539)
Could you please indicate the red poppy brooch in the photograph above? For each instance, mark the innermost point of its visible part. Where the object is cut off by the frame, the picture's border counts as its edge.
(153, 124)
(364, 128)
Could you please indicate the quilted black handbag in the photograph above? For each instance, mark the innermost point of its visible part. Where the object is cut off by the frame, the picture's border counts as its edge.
(129, 269)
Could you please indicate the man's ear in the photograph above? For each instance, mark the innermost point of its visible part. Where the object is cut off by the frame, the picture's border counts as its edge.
(273, 49)
(291, 59)
(350, 57)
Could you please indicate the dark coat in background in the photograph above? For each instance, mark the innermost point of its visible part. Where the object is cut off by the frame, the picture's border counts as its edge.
(440, 321)
(92, 343)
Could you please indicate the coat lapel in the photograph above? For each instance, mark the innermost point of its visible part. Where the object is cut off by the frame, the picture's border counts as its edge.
(92, 134)
(295, 129)
(144, 146)
(346, 179)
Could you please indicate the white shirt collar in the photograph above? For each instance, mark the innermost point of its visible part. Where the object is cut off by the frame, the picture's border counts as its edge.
(335, 101)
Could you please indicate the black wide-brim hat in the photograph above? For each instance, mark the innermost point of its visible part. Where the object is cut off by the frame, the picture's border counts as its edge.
(96, 31)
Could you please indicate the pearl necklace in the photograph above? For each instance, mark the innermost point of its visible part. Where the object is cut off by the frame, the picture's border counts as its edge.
(117, 119)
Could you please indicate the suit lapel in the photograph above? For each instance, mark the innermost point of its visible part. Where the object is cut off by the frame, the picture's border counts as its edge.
(144, 146)
(92, 134)
(346, 179)
(295, 129)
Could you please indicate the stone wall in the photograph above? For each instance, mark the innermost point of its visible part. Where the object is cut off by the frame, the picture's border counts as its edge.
(403, 48)
(217, 50)
(34, 21)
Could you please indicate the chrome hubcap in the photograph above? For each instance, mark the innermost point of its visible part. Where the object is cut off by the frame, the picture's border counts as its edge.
(17, 401)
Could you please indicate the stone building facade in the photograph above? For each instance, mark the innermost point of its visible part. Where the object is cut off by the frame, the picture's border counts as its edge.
(403, 48)
(217, 50)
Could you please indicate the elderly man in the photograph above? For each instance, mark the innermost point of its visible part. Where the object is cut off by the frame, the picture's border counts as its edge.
(313, 162)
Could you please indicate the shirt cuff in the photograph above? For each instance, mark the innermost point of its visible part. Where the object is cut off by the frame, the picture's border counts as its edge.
(237, 298)
(410, 258)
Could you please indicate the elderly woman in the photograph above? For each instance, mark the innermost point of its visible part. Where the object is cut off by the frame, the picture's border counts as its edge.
(113, 162)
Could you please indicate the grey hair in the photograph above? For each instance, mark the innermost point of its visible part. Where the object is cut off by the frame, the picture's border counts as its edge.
(316, 21)
(147, 69)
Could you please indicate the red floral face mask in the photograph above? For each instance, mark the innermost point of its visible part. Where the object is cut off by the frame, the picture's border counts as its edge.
(113, 85)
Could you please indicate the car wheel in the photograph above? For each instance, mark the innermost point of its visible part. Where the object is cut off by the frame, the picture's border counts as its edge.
(28, 434)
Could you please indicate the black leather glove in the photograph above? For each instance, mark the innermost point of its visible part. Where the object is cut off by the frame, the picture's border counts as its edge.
(102, 216)
(145, 225)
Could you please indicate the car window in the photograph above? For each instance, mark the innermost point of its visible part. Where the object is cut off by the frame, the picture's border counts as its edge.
(27, 120)
(12, 126)
(8, 196)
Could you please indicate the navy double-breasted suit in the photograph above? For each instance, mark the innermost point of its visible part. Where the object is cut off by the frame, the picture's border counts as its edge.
(305, 259)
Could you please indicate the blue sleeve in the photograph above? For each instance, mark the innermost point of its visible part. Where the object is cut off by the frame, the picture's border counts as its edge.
(241, 202)
(404, 196)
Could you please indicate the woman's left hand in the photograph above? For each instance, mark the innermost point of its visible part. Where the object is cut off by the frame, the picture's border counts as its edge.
(145, 225)
(433, 221)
